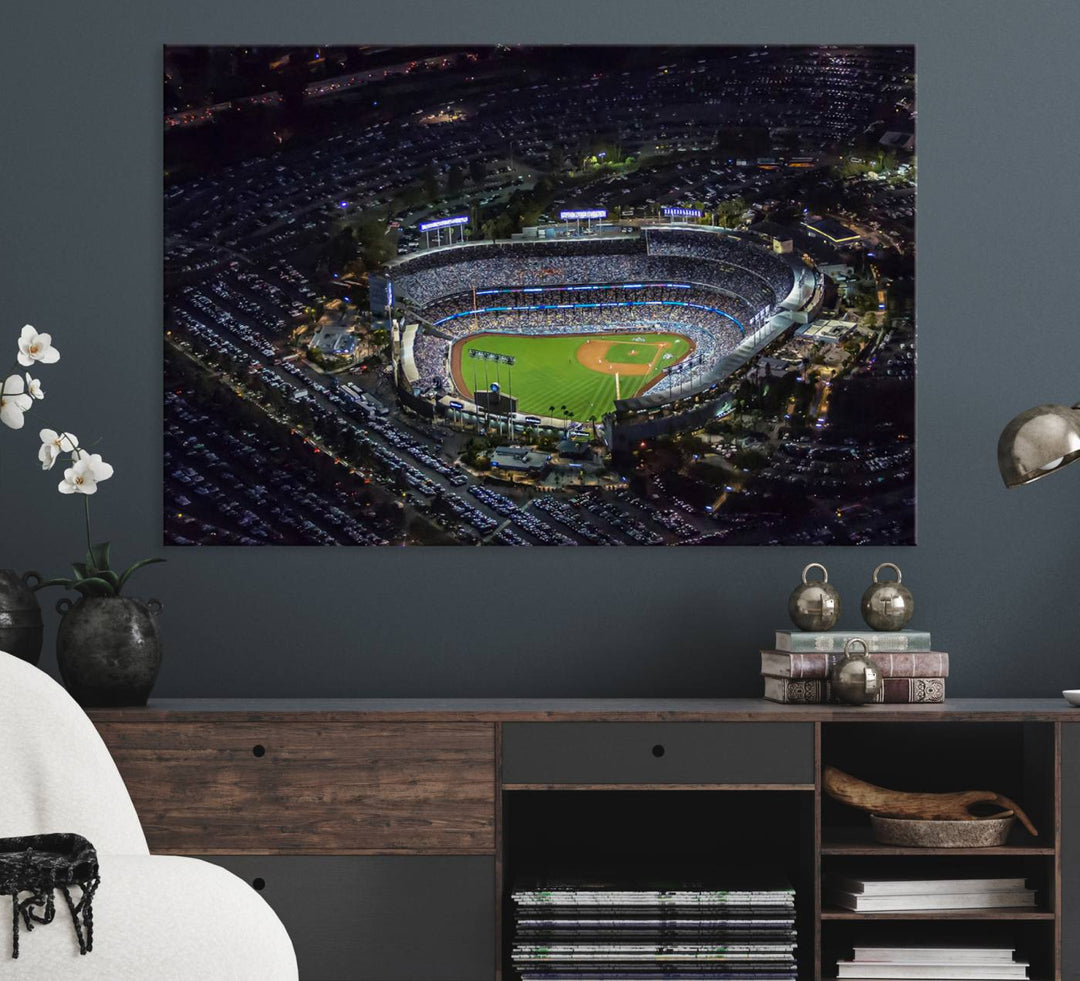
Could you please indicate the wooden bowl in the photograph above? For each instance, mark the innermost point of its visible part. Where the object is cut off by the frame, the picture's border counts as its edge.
(912, 832)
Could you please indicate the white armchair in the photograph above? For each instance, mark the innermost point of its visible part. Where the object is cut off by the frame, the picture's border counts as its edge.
(156, 918)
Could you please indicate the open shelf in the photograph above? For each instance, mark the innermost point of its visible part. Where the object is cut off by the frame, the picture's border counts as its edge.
(860, 841)
(1003, 913)
(713, 836)
(1015, 759)
(1032, 938)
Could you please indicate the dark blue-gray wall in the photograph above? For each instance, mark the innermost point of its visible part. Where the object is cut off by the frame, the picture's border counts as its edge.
(996, 573)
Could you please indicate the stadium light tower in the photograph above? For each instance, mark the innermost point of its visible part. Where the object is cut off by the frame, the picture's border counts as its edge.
(588, 214)
(427, 227)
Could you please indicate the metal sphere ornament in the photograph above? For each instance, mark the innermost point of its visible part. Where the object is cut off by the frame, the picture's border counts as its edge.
(887, 605)
(814, 605)
(855, 679)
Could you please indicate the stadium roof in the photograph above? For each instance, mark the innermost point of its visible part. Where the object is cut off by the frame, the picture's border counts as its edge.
(831, 229)
(574, 448)
(518, 458)
(828, 330)
(334, 339)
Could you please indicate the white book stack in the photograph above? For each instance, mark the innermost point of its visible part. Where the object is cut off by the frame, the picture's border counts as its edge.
(881, 895)
(932, 964)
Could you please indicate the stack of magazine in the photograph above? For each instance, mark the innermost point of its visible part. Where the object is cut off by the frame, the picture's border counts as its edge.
(902, 893)
(977, 963)
(580, 931)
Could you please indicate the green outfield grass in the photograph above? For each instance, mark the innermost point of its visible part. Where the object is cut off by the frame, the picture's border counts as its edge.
(547, 371)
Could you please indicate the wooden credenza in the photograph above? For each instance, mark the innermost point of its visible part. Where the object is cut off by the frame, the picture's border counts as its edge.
(387, 833)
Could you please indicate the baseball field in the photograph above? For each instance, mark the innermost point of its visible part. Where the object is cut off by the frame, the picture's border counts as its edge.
(559, 374)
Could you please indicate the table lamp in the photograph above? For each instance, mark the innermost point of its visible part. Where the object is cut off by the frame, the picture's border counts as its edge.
(1039, 441)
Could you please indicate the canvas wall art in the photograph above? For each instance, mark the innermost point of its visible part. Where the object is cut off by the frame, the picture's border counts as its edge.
(539, 295)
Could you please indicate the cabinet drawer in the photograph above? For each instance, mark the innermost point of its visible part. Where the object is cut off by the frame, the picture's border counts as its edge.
(230, 788)
(381, 918)
(693, 753)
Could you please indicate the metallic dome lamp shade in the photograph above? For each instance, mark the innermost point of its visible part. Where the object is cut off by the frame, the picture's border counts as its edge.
(1037, 442)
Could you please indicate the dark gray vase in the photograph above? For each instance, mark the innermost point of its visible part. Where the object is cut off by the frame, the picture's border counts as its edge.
(20, 616)
(108, 649)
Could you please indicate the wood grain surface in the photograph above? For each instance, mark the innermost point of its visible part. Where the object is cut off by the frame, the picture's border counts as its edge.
(282, 710)
(226, 788)
(370, 777)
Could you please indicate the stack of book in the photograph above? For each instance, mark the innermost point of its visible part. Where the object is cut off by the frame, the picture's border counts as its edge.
(796, 671)
(581, 931)
(879, 895)
(938, 963)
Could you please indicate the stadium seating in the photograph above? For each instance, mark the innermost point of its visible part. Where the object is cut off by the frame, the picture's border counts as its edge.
(744, 270)
(713, 288)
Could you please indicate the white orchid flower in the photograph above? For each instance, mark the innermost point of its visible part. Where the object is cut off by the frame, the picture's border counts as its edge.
(36, 347)
(53, 444)
(14, 401)
(83, 476)
(33, 387)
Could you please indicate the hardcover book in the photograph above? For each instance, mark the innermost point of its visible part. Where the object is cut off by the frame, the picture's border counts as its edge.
(918, 887)
(978, 900)
(816, 664)
(833, 641)
(968, 971)
(895, 691)
(935, 955)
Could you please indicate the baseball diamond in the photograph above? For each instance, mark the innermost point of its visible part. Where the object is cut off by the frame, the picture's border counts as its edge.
(582, 374)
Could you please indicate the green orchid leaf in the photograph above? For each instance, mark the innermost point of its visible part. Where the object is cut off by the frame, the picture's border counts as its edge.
(94, 587)
(66, 583)
(132, 569)
(110, 577)
(97, 559)
(80, 570)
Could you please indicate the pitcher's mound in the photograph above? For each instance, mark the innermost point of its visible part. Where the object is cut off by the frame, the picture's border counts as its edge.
(593, 354)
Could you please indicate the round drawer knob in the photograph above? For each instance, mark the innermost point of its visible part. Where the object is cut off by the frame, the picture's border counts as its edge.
(258, 884)
(658, 751)
(258, 750)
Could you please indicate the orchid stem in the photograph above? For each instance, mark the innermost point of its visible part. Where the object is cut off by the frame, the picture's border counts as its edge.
(89, 547)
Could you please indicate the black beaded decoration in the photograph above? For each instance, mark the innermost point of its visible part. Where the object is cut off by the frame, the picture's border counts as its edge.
(41, 864)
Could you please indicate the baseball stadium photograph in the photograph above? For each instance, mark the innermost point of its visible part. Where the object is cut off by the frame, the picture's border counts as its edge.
(539, 295)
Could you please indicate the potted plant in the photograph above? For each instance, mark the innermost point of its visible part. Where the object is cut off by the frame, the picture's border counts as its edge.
(108, 646)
